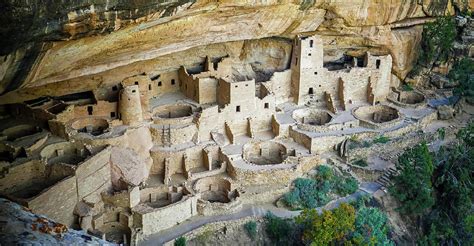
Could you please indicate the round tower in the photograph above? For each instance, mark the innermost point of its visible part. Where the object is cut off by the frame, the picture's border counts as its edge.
(130, 108)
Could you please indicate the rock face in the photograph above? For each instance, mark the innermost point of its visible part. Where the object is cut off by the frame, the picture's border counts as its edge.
(78, 45)
(21, 227)
(128, 168)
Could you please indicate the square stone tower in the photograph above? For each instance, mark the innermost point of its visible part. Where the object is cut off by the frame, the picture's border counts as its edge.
(307, 68)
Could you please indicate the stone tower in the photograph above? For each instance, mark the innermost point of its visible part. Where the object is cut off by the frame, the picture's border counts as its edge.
(307, 68)
(130, 108)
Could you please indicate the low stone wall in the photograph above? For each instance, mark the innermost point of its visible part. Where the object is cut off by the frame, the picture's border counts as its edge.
(207, 208)
(152, 220)
(278, 174)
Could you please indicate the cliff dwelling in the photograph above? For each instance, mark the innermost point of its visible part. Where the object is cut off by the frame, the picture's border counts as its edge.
(205, 122)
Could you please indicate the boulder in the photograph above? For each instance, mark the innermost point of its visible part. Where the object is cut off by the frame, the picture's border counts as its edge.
(127, 168)
(445, 112)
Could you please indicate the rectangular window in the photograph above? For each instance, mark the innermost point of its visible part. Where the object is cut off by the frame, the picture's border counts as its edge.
(136, 82)
(149, 87)
(173, 82)
(377, 63)
(90, 109)
(296, 62)
(112, 114)
(266, 105)
(159, 83)
(310, 91)
(311, 43)
(237, 109)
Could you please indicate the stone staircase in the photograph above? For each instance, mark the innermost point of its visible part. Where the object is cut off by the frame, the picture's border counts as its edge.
(385, 179)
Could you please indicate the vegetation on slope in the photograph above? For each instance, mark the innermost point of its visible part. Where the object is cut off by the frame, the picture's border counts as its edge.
(320, 189)
(439, 189)
(356, 224)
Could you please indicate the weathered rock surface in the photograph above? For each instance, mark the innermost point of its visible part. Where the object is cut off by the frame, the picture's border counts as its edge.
(81, 44)
(18, 226)
(445, 112)
(127, 168)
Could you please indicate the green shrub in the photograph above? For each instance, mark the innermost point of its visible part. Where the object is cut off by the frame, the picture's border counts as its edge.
(371, 227)
(278, 229)
(437, 41)
(181, 241)
(462, 72)
(251, 229)
(412, 186)
(324, 173)
(360, 163)
(204, 237)
(346, 186)
(308, 193)
(407, 87)
(441, 133)
(381, 139)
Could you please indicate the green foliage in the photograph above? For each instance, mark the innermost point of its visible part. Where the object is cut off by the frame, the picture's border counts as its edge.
(345, 186)
(463, 72)
(413, 187)
(308, 193)
(315, 192)
(278, 229)
(441, 133)
(407, 87)
(360, 163)
(371, 227)
(381, 139)
(329, 227)
(437, 41)
(204, 237)
(324, 173)
(251, 229)
(181, 241)
(451, 220)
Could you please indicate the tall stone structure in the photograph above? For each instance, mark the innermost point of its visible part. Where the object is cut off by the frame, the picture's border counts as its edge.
(130, 108)
(307, 68)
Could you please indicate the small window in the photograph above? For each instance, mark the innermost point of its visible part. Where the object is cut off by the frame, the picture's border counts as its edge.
(112, 114)
(309, 54)
(133, 91)
(311, 43)
(310, 91)
(159, 83)
(319, 85)
(114, 88)
(136, 82)
(266, 105)
(377, 63)
(90, 109)
(236, 86)
(149, 87)
(237, 109)
(246, 84)
(315, 73)
(173, 82)
(296, 61)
